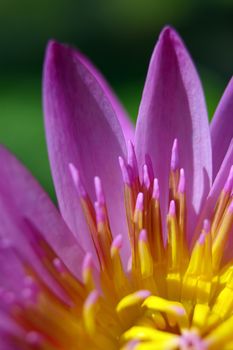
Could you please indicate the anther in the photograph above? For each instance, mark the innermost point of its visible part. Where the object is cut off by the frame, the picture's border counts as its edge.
(131, 300)
(172, 208)
(149, 164)
(175, 156)
(181, 184)
(116, 244)
(174, 310)
(138, 212)
(155, 193)
(206, 226)
(175, 254)
(132, 160)
(139, 202)
(155, 237)
(146, 178)
(146, 262)
(87, 272)
(126, 171)
(100, 213)
(174, 171)
(120, 280)
(89, 311)
(77, 181)
(99, 190)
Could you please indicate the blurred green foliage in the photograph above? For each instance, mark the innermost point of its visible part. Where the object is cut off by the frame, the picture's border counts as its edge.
(119, 37)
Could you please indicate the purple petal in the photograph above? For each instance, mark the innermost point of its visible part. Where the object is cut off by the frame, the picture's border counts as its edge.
(22, 198)
(124, 120)
(213, 196)
(222, 175)
(11, 270)
(5, 344)
(221, 127)
(8, 326)
(172, 107)
(82, 129)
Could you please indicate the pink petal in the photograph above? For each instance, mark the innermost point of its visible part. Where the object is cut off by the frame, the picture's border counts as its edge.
(124, 120)
(82, 129)
(8, 326)
(11, 270)
(172, 107)
(222, 175)
(21, 198)
(212, 198)
(222, 127)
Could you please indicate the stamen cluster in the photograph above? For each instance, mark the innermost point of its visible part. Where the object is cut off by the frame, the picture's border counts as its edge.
(169, 296)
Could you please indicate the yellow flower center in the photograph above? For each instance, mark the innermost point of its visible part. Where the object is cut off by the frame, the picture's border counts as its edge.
(168, 297)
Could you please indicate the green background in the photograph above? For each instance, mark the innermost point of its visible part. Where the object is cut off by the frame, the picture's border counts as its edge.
(119, 37)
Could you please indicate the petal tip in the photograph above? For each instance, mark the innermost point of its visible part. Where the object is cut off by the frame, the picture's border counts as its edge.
(53, 48)
(168, 33)
(51, 54)
(56, 56)
(170, 38)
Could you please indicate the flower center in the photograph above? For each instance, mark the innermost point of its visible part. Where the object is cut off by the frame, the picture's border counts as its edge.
(168, 297)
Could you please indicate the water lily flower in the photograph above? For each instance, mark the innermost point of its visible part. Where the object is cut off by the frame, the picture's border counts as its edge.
(139, 255)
